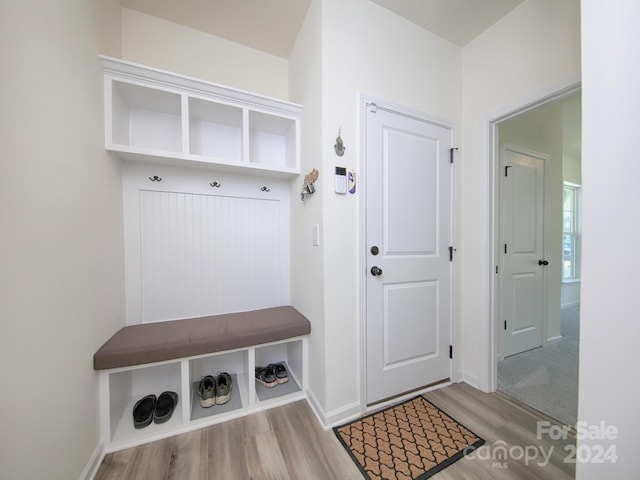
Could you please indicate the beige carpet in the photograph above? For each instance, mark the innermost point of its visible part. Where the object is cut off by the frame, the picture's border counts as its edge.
(546, 378)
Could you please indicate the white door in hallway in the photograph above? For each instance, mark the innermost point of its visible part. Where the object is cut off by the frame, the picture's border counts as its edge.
(523, 244)
(408, 234)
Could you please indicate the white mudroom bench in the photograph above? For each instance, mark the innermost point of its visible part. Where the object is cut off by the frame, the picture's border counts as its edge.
(174, 355)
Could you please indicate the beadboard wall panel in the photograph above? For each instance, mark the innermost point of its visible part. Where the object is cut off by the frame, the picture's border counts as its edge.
(195, 250)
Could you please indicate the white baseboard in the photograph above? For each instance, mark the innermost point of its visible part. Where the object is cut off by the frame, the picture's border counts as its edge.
(569, 305)
(94, 463)
(555, 339)
(336, 417)
(468, 379)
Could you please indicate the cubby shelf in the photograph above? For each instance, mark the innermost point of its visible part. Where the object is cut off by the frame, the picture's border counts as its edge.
(163, 117)
(121, 388)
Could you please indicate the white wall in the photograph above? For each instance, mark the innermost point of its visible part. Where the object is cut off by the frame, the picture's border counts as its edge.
(307, 261)
(61, 280)
(610, 329)
(572, 169)
(366, 49)
(537, 45)
(162, 44)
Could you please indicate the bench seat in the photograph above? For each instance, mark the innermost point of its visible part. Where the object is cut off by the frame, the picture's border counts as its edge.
(159, 341)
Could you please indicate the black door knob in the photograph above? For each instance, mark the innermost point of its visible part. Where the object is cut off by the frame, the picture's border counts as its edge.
(543, 262)
(375, 271)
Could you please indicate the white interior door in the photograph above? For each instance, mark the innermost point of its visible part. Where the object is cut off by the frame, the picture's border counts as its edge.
(523, 239)
(408, 235)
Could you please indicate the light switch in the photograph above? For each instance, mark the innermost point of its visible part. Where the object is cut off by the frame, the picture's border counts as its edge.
(316, 235)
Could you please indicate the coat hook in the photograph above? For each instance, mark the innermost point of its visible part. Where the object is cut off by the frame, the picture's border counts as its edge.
(265, 189)
(215, 185)
(155, 178)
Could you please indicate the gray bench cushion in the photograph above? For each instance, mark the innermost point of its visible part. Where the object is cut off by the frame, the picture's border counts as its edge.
(155, 342)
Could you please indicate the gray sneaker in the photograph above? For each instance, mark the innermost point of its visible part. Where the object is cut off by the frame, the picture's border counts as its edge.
(207, 391)
(267, 376)
(281, 372)
(224, 384)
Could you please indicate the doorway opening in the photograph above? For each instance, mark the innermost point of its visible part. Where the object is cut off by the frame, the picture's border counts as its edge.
(537, 240)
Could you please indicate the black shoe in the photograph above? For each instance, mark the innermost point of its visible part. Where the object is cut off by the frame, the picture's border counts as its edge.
(143, 411)
(165, 406)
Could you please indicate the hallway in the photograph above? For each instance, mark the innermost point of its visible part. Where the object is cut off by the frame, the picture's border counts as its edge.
(546, 378)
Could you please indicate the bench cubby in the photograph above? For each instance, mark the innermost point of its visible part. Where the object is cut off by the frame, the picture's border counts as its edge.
(122, 388)
(234, 363)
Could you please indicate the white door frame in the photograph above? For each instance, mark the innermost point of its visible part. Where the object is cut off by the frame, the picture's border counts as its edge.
(489, 215)
(365, 100)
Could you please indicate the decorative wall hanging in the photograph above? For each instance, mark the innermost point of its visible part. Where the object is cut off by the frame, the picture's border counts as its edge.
(307, 186)
(339, 146)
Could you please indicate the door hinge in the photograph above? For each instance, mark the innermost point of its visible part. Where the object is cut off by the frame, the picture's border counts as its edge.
(451, 351)
(506, 170)
(451, 154)
(505, 248)
(373, 108)
(451, 250)
(505, 324)
(496, 268)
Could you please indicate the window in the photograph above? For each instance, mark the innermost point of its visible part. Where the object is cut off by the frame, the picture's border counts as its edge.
(571, 232)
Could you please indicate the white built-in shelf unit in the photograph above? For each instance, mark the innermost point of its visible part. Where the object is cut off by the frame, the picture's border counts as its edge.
(163, 117)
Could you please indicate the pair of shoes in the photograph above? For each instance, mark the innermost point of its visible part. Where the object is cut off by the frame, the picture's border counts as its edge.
(215, 390)
(272, 375)
(150, 408)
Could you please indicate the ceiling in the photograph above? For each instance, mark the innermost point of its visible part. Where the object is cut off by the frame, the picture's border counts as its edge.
(272, 25)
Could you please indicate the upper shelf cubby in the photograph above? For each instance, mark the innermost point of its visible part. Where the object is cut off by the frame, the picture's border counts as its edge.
(154, 115)
(146, 118)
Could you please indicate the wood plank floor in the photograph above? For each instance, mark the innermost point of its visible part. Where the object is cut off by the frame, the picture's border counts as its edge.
(288, 443)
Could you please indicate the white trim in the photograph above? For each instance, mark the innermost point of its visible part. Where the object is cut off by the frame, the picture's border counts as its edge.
(569, 305)
(137, 72)
(362, 247)
(364, 101)
(488, 235)
(552, 340)
(336, 417)
(401, 398)
(466, 377)
(94, 463)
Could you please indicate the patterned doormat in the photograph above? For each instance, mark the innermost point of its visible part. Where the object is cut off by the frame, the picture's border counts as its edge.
(412, 440)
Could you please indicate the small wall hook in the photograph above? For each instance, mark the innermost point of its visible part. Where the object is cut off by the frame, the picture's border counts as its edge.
(265, 189)
(339, 146)
(155, 178)
(215, 184)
